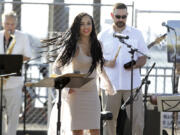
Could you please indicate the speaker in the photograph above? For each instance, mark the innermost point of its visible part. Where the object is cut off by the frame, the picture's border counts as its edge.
(153, 123)
(122, 123)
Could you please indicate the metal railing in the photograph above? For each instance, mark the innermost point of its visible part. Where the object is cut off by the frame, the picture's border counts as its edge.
(160, 78)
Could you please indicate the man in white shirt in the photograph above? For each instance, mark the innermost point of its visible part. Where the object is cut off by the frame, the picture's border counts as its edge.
(119, 76)
(13, 41)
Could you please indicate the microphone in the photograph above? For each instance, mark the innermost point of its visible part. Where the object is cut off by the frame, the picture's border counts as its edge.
(167, 26)
(10, 32)
(120, 36)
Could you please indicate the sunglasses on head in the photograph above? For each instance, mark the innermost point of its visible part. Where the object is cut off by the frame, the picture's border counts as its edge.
(119, 16)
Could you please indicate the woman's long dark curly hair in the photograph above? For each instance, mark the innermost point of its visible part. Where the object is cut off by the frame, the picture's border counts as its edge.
(68, 41)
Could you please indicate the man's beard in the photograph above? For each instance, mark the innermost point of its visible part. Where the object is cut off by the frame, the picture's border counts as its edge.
(120, 24)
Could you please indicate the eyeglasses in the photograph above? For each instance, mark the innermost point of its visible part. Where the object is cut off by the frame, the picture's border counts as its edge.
(119, 16)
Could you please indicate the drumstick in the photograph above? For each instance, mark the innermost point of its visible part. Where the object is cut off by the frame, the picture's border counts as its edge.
(111, 63)
(117, 53)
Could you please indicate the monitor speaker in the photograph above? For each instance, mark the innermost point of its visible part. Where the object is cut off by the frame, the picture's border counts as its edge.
(153, 123)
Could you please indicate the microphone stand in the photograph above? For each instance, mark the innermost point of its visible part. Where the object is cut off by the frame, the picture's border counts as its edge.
(26, 66)
(174, 79)
(1, 93)
(1, 106)
(130, 100)
(174, 76)
(60, 83)
(147, 82)
(144, 81)
(132, 51)
(174, 71)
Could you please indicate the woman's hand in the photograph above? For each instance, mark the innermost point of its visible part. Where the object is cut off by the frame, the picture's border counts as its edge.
(109, 89)
(107, 83)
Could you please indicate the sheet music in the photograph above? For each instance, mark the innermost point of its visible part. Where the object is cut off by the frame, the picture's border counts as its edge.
(169, 103)
(76, 81)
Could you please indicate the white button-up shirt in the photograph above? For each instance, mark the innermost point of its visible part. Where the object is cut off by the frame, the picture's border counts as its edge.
(119, 77)
(22, 46)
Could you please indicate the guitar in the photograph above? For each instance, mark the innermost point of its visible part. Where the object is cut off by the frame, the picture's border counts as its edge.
(157, 41)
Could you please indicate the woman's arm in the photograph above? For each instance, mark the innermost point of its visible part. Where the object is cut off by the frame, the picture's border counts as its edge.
(57, 69)
(103, 76)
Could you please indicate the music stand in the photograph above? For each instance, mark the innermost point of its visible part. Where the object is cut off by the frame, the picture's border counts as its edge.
(71, 80)
(169, 103)
(10, 65)
(77, 80)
